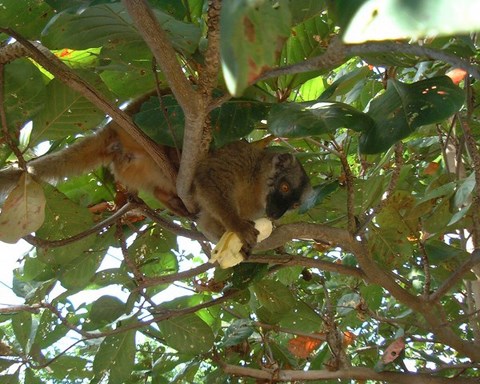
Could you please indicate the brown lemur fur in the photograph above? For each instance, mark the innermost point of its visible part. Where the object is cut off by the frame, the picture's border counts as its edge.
(242, 182)
(232, 186)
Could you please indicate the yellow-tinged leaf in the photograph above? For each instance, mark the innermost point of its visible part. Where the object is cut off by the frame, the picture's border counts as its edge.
(23, 211)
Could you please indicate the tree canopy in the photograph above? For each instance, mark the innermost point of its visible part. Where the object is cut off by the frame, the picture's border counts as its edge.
(373, 279)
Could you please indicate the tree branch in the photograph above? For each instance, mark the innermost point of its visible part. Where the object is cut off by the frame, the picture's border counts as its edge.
(166, 57)
(194, 104)
(358, 373)
(289, 260)
(337, 52)
(37, 242)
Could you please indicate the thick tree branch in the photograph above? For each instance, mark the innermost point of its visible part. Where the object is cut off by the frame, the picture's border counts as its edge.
(195, 105)
(337, 52)
(289, 260)
(166, 57)
(345, 374)
(336, 237)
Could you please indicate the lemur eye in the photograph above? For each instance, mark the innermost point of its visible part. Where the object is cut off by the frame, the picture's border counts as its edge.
(296, 205)
(285, 187)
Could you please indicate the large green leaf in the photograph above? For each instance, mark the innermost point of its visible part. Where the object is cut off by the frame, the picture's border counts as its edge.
(401, 19)
(396, 224)
(153, 255)
(27, 17)
(303, 43)
(110, 25)
(187, 334)
(253, 32)
(274, 296)
(116, 356)
(405, 107)
(22, 326)
(69, 368)
(127, 70)
(58, 224)
(106, 309)
(79, 272)
(66, 113)
(303, 10)
(303, 318)
(315, 118)
(24, 81)
(164, 123)
(238, 331)
(49, 330)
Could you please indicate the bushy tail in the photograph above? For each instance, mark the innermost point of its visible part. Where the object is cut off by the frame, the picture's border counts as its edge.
(83, 156)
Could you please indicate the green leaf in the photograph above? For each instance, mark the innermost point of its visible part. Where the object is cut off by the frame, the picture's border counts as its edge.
(110, 25)
(320, 192)
(49, 330)
(127, 70)
(25, 91)
(403, 19)
(23, 211)
(164, 123)
(303, 43)
(238, 331)
(345, 83)
(373, 295)
(235, 119)
(187, 334)
(303, 10)
(395, 224)
(152, 253)
(253, 32)
(116, 356)
(405, 107)
(106, 309)
(22, 328)
(302, 318)
(26, 17)
(65, 113)
(312, 89)
(68, 368)
(439, 253)
(79, 272)
(274, 296)
(315, 118)
(59, 225)
(80, 58)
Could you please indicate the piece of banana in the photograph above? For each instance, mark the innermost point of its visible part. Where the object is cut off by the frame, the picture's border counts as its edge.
(227, 251)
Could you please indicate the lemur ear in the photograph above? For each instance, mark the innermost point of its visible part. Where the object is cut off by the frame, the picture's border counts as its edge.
(283, 160)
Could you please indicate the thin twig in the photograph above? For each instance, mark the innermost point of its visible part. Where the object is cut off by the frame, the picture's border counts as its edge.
(43, 243)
